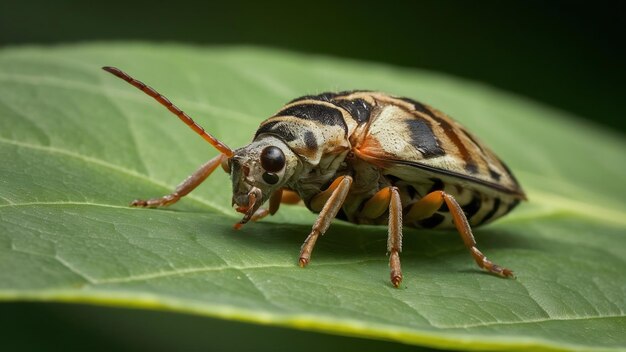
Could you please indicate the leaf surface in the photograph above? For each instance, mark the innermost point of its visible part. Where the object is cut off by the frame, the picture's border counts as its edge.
(77, 145)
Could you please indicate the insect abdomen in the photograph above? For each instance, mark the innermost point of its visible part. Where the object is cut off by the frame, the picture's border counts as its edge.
(480, 208)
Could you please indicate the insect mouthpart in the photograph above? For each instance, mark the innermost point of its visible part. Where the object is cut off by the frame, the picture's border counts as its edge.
(255, 197)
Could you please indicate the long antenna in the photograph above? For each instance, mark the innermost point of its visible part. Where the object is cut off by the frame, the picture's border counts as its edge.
(223, 148)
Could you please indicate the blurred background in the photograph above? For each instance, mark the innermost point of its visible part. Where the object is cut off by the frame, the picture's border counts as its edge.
(567, 54)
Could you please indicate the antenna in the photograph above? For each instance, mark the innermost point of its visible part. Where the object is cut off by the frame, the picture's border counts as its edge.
(223, 148)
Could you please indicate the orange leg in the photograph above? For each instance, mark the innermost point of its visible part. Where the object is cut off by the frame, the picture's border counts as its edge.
(389, 198)
(428, 205)
(319, 201)
(289, 197)
(188, 185)
(333, 199)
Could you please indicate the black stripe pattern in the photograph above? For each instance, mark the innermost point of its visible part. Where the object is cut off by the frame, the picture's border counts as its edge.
(494, 174)
(277, 128)
(470, 165)
(432, 221)
(309, 140)
(470, 209)
(423, 138)
(324, 114)
(419, 107)
(492, 211)
(359, 109)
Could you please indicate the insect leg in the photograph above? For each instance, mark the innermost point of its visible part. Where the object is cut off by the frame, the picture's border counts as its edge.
(389, 198)
(289, 197)
(431, 202)
(332, 203)
(280, 196)
(319, 201)
(184, 188)
(275, 200)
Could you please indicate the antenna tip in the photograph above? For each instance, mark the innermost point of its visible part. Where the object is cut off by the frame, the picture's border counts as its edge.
(115, 71)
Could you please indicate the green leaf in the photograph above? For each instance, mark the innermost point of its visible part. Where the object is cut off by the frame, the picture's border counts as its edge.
(77, 145)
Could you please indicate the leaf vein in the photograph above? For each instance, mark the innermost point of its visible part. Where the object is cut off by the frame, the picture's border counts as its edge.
(196, 270)
(74, 270)
(105, 164)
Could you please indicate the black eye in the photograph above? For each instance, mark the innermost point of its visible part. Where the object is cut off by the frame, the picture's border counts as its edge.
(269, 178)
(272, 159)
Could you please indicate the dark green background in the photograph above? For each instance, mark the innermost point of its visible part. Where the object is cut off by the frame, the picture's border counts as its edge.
(566, 54)
(59, 327)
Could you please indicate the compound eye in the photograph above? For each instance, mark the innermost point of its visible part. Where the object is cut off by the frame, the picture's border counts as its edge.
(270, 179)
(272, 159)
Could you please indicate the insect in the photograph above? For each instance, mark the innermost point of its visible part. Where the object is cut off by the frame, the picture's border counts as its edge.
(365, 157)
